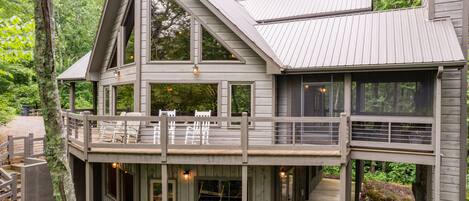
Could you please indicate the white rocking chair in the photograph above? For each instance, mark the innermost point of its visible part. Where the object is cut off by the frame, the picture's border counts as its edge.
(200, 129)
(171, 128)
(109, 126)
(132, 129)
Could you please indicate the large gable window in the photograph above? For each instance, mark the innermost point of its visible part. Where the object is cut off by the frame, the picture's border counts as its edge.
(170, 31)
(184, 98)
(393, 93)
(213, 50)
(129, 35)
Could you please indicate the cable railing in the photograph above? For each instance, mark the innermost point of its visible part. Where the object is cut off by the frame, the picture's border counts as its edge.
(410, 133)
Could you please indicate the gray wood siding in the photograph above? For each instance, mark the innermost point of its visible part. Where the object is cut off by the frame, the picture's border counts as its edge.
(260, 179)
(450, 135)
(452, 9)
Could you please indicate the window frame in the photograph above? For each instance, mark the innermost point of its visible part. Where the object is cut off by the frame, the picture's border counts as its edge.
(220, 179)
(253, 99)
(106, 181)
(330, 83)
(170, 181)
(199, 26)
(114, 96)
(121, 34)
(192, 39)
(219, 91)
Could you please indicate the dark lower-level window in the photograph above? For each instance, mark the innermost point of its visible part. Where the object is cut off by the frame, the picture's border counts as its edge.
(184, 98)
(219, 189)
(124, 98)
(393, 93)
(111, 181)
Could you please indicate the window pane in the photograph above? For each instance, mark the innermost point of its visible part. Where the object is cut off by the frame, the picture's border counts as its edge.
(184, 98)
(323, 95)
(170, 31)
(240, 99)
(393, 93)
(106, 100)
(129, 36)
(213, 50)
(124, 98)
(157, 191)
(111, 181)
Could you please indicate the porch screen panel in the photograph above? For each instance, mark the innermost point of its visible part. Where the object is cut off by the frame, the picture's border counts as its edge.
(170, 31)
(393, 93)
(184, 98)
(124, 98)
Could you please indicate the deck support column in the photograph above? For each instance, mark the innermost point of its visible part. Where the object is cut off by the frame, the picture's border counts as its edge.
(346, 182)
(244, 183)
(437, 133)
(89, 181)
(164, 182)
(71, 97)
(359, 171)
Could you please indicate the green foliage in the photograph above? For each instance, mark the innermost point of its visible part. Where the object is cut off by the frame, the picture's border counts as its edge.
(16, 41)
(395, 4)
(380, 191)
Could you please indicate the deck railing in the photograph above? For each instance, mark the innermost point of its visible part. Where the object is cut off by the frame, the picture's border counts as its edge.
(21, 147)
(409, 133)
(239, 134)
(8, 185)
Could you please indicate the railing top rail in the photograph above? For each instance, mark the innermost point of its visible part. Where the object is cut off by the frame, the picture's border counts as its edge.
(296, 119)
(393, 119)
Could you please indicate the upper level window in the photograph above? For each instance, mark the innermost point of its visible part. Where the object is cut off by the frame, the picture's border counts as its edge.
(184, 98)
(323, 95)
(124, 98)
(170, 31)
(129, 35)
(393, 93)
(241, 99)
(213, 50)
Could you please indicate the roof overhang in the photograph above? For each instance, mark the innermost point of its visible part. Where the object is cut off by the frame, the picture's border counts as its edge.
(77, 71)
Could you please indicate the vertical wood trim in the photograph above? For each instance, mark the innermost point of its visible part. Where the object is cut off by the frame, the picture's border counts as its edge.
(164, 182)
(137, 56)
(348, 93)
(431, 9)
(164, 136)
(89, 181)
(345, 182)
(120, 47)
(244, 183)
(438, 134)
(244, 136)
(86, 135)
(72, 97)
(144, 182)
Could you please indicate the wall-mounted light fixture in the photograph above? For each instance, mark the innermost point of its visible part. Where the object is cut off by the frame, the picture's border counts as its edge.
(283, 173)
(117, 73)
(115, 165)
(196, 70)
(306, 86)
(323, 90)
(187, 174)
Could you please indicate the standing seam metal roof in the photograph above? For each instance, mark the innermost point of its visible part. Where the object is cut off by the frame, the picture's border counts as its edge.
(375, 38)
(270, 10)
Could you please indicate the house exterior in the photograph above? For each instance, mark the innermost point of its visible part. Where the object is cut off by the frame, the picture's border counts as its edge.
(287, 86)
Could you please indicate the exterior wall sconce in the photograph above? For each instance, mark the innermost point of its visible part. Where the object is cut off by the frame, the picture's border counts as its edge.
(196, 70)
(283, 173)
(323, 90)
(186, 174)
(115, 165)
(117, 73)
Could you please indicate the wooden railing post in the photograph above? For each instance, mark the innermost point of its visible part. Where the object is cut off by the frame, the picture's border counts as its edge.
(86, 134)
(164, 136)
(27, 145)
(14, 187)
(11, 149)
(344, 136)
(245, 136)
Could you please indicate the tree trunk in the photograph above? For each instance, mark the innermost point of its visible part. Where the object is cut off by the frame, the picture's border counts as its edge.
(50, 104)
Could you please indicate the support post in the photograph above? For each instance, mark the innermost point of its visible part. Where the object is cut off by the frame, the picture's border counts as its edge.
(95, 98)
(346, 182)
(438, 134)
(164, 136)
(89, 181)
(359, 168)
(244, 184)
(27, 145)
(71, 96)
(164, 182)
(86, 135)
(244, 136)
(14, 186)
(11, 149)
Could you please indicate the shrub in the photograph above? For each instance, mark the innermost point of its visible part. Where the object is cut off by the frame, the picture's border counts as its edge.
(381, 191)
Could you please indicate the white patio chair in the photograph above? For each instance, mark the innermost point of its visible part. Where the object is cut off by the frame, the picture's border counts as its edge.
(171, 128)
(199, 129)
(132, 129)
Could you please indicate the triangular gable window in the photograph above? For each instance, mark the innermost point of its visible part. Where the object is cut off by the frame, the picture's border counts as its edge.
(129, 35)
(113, 61)
(213, 50)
